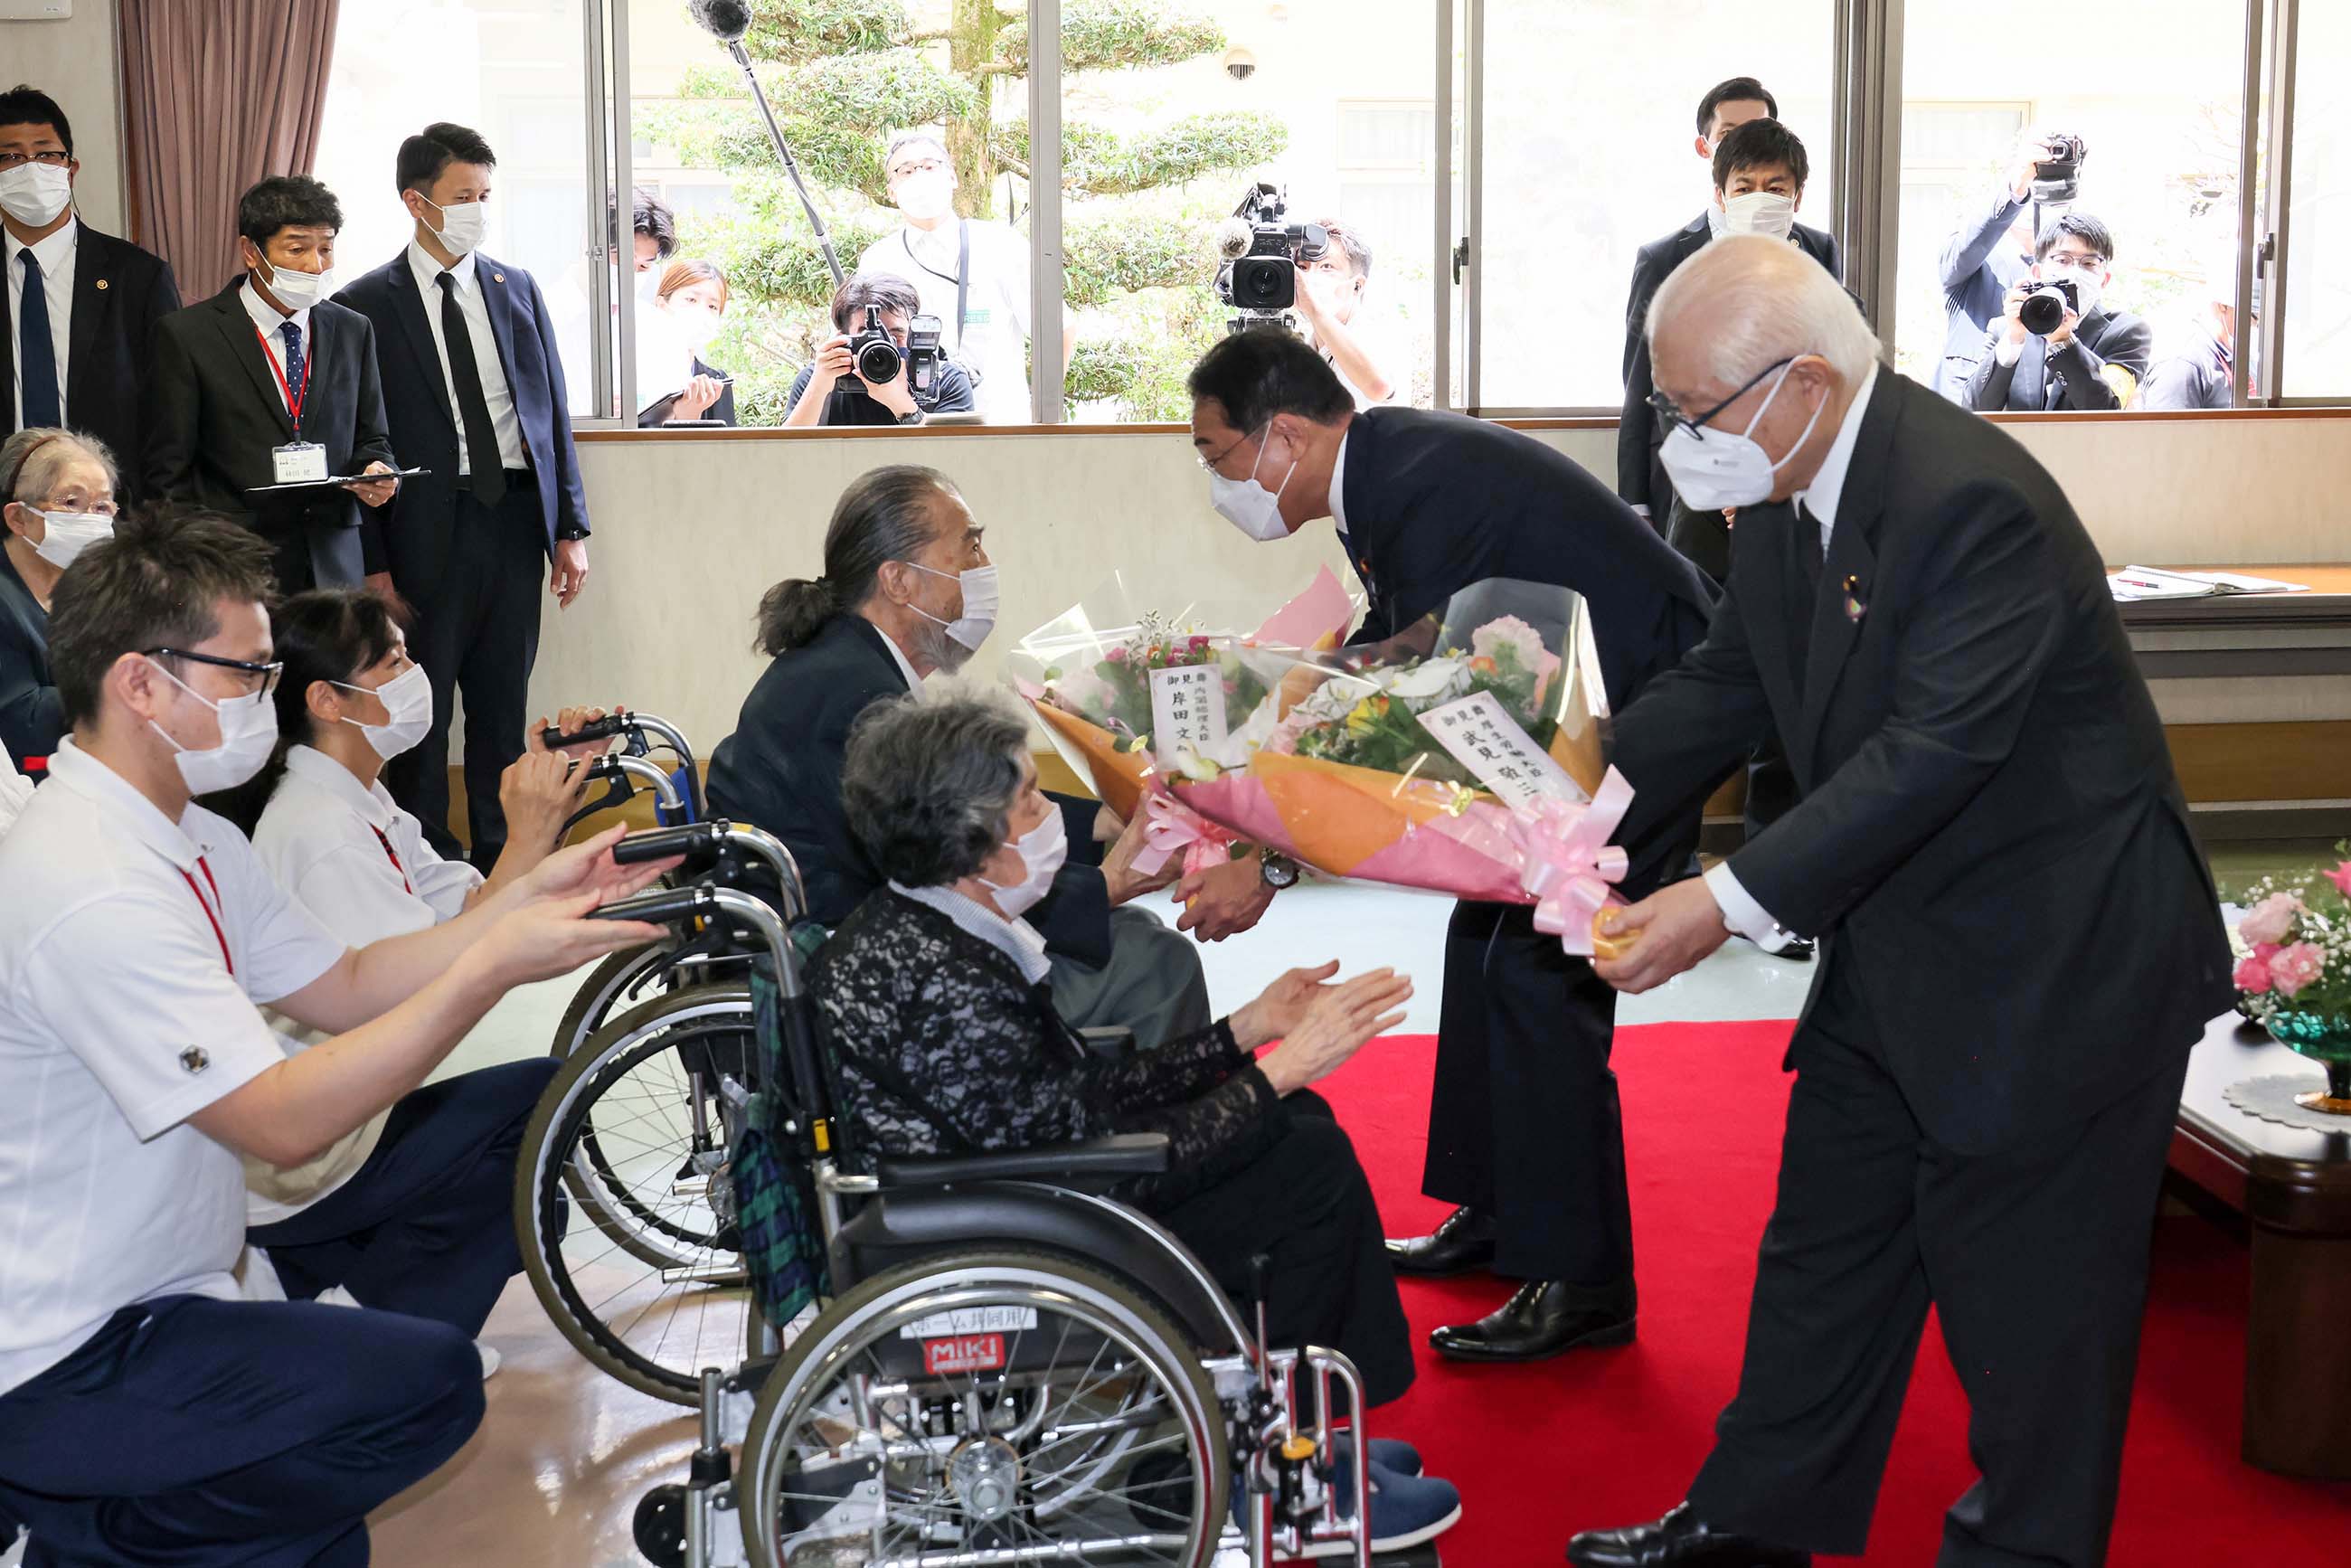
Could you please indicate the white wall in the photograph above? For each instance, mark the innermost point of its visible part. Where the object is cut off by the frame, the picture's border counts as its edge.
(73, 62)
(690, 532)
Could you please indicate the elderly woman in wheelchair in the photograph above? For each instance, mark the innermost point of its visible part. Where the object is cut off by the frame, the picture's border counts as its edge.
(945, 1044)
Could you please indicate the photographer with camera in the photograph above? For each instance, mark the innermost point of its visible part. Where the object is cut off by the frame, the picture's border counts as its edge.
(883, 364)
(2056, 345)
(1330, 297)
(1984, 258)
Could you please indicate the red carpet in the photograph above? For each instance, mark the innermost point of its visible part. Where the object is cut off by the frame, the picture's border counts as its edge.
(1611, 1437)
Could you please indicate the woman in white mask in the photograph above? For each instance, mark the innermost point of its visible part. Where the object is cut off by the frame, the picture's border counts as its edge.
(349, 700)
(688, 310)
(58, 489)
(935, 992)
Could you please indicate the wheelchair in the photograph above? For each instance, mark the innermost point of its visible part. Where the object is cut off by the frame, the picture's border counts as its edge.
(992, 1361)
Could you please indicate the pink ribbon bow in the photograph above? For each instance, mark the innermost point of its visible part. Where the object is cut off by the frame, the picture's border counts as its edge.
(1174, 826)
(1570, 863)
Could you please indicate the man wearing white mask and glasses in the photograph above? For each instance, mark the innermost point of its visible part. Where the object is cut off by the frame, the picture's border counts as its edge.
(907, 591)
(59, 493)
(1525, 1134)
(2058, 343)
(1988, 1064)
(474, 392)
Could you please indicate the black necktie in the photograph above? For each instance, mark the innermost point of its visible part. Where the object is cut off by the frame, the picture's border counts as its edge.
(1805, 600)
(39, 348)
(489, 473)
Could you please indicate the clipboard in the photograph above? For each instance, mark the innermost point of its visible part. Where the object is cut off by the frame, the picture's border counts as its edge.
(335, 480)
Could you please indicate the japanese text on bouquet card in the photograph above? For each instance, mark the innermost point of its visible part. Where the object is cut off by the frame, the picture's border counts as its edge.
(1187, 709)
(1484, 739)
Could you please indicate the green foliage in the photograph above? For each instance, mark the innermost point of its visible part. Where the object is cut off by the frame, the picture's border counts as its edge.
(1120, 35)
(1101, 163)
(1120, 252)
(806, 29)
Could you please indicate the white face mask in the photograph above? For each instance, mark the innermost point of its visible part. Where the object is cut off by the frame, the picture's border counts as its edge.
(926, 197)
(1250, 506)
(65, 535)
(694, 326)
(980, 600)
(461, 225)
(2085, 284)
(34, 193)
(248, 730)
(1714, 469)
(1042, 850)
(1759, 212)
(298, 290)
(407, 698)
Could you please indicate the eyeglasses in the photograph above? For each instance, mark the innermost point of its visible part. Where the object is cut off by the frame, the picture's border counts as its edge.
(70, 504)
(54, 159)
(1670, 411)
(265, 674)
(1238, 443)
(926, 166)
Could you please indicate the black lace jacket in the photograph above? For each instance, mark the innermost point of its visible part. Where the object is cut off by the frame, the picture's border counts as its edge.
(943, 1047)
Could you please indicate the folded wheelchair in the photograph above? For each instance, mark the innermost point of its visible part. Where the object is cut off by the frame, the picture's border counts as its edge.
(938, 1362)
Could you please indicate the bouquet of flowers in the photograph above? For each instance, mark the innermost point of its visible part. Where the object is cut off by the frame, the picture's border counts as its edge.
(1123, 694)
(2293, 968)
(1462, 755)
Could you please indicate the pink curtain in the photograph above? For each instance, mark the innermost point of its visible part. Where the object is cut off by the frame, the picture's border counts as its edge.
(216, 94)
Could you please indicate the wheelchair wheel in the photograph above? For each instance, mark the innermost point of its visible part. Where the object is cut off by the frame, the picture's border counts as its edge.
(646, 1280)
(994, 1405)
(618, 982)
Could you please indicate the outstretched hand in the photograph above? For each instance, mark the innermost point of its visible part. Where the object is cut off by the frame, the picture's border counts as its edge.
(1669, 932)
(1337, 1022)
(1281, 1004)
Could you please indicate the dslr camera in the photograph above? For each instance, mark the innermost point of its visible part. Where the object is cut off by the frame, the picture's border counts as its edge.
(2057, 181)
(1258, 254)
(2044, 311)
(880, 360)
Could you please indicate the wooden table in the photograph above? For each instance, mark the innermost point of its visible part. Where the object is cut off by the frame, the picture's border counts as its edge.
(2295, 1187)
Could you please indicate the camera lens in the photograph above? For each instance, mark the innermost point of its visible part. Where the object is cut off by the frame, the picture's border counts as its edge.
(2043, 312)
(1265, 283)
(877, 362)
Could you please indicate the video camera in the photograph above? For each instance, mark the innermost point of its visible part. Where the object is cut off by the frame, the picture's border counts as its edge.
(2057, 182)
(880, 360)
(1260, 252)
(2044, 311)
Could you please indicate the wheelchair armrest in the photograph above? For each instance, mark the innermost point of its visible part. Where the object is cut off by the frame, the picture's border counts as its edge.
(1115, 1041)
(1120, 1155)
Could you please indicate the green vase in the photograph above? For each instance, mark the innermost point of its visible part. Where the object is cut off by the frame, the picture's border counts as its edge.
(2325, 1039)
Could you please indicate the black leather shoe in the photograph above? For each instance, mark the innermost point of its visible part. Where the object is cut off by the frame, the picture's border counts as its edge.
(1678, 1541)
(1542, 1317)
(1796, 949)
(1463, 1241)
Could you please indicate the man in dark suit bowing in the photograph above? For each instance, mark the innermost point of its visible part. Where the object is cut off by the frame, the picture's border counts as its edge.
(1525, 1134)
(474, 389)
(2020, 939)
(269, 383)
(907, 589)
(80, 309)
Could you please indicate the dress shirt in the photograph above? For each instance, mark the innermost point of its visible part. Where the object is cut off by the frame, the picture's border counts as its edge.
(495, 389)
(55, 256)
(1740, 910)
(1339, 485)
(267, 319)
(898, 655)
(1016, 939)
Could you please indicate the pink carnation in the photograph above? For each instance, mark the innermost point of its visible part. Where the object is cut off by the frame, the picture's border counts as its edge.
(1508, 632)
(1116, 656)
(2297, 966)
(2271, 920)
(2341, 877)
(2253, 975)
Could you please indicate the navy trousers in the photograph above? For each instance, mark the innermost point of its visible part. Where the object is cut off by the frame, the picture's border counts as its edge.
(425, 1227)
(194, 1432)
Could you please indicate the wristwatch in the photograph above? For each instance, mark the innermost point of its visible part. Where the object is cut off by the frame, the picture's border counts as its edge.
(911, 416)
(1276, 870)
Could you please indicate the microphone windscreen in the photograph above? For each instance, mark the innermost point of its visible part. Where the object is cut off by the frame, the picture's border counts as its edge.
(1234, 237)
(725, 20)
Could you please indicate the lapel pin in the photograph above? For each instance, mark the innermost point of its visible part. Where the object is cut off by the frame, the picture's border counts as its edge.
(1853, 608)
(101, 283)
(498, 277)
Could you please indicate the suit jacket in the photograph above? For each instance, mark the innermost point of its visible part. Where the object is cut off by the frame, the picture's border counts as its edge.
(215, 414)
(1640, 475)
(1437, 502)
(423, 423)
(31, 716)
(1977, 269)
(1989, 835)
(2073, 376)
(120, 293)
(782, 770)
(723, 411)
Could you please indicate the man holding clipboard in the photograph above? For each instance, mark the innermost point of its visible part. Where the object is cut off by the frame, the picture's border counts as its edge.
(264, 396)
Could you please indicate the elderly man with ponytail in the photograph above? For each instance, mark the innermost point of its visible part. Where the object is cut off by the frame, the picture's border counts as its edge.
(907, 589)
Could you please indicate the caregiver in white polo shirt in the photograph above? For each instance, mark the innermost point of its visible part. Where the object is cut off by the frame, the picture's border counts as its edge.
(146, 1415)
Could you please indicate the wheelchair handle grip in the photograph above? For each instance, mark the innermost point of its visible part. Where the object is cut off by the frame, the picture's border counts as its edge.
(604, 729)
(697, 842)
(659, 906)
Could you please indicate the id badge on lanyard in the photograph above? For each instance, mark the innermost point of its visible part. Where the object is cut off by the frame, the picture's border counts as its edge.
(298, 462)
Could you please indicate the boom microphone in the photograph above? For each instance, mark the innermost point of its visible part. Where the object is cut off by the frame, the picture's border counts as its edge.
(725, 20)
(1234, 237)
